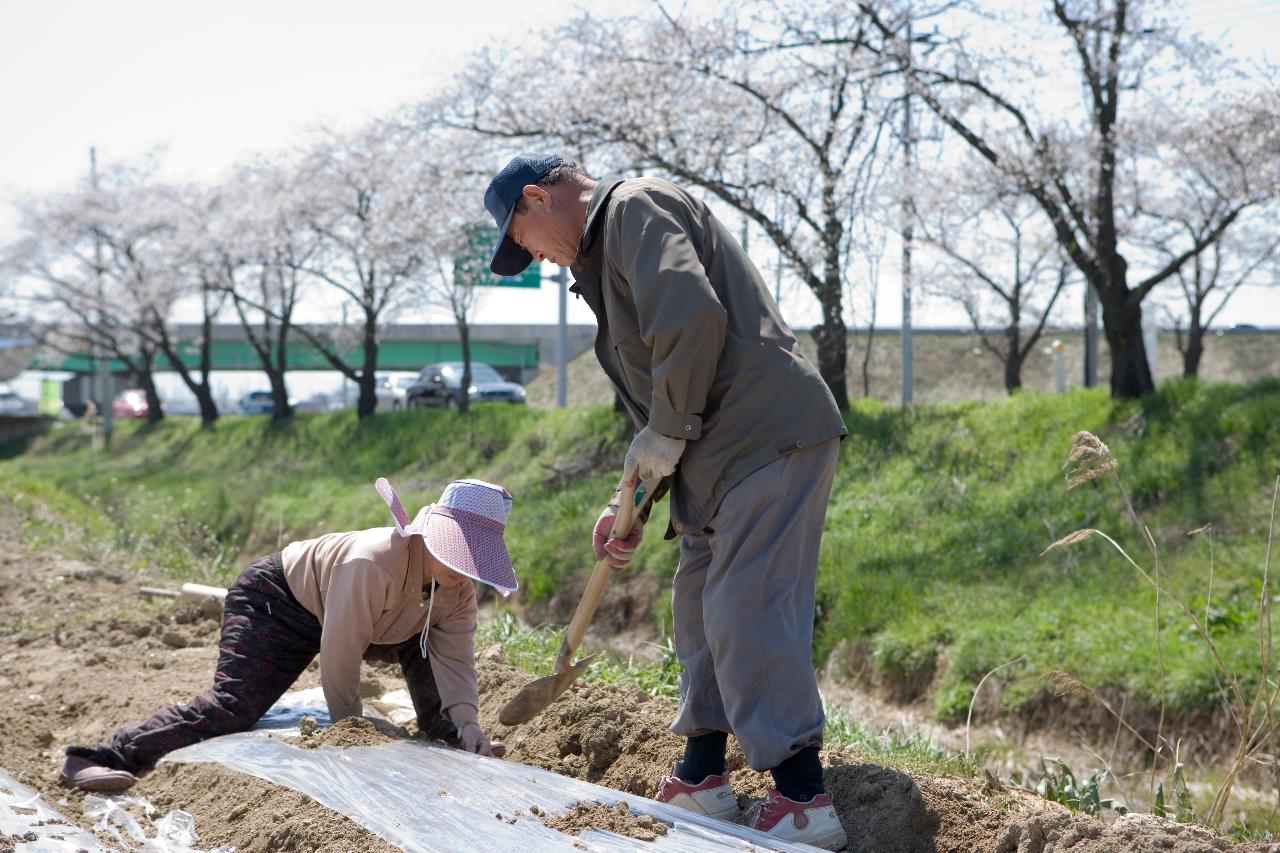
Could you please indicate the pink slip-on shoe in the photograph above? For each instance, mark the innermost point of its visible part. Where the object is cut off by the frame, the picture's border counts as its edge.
(711, 796)
(82, 773)
(814, 822)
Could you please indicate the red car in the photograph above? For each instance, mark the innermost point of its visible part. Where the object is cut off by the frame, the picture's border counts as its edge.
(130, 404)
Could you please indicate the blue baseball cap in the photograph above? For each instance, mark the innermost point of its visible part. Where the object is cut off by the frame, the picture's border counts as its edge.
(500, 200)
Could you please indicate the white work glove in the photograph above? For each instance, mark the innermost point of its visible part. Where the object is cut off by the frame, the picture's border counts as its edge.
(618, 551)
(473, 739)
(651, 456)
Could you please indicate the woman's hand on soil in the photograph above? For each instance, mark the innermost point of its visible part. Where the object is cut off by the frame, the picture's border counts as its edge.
(475, 740)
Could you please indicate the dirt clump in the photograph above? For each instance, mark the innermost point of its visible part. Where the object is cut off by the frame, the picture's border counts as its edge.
(9, 843)
(353, 731)
(617, 819)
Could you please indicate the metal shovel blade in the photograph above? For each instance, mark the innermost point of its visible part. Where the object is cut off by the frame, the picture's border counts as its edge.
(535, 696)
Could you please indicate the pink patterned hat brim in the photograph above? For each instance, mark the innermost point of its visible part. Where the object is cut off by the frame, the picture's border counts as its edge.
(470, 547)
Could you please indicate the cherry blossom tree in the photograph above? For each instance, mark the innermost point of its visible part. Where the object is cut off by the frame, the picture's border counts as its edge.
(774, 108)
(366, 201)
(102, 254)
(254, 249)
(1092, 165)
(1247, 256)
(995, 259)
(1222, 155)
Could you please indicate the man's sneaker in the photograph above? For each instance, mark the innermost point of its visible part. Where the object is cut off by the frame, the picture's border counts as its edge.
(711, 796)
(814, 822)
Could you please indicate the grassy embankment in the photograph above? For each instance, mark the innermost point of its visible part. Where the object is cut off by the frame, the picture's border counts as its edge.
(931, 569)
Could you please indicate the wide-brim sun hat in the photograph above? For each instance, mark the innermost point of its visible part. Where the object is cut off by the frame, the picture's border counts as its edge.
(464, 529)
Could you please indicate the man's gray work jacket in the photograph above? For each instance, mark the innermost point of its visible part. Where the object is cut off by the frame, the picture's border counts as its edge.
(694, 343)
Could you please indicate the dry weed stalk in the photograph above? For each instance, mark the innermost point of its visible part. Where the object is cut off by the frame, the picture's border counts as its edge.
(973, 700)
(1066, 684)
(1088, 460)
(1255, 717)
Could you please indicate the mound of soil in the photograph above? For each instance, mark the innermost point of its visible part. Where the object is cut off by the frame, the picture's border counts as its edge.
(255, 816)
(617, 819)
(617, 736)
(610, 735)
(353, 731)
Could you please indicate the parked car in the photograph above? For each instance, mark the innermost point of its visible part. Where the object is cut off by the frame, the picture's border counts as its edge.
(257, 403)
(131, 403)
(317, 402)
(12, 404)
(393, 392)
(440, 385)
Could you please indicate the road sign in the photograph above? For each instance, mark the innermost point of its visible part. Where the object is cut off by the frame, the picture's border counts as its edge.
(473, 264)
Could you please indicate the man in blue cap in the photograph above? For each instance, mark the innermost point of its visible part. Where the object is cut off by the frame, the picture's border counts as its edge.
(747, 433)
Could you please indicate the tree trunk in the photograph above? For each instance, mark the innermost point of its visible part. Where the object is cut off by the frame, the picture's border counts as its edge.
(280, 408)
(368, 400)
(866, 359)
(1122, 324)
(832, 340)
(201, 390)
(204, 394)
(208, 408)
(1013, 358)
(1195, 345)
(464, 395)
(147, 379)
(275, 368)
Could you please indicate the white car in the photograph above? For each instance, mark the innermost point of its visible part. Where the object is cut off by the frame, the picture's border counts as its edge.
(12, 404)
(391, 392)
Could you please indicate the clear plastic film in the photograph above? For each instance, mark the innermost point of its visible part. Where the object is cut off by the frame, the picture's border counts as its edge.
(174, 833)
(23, 815)
(425, 797)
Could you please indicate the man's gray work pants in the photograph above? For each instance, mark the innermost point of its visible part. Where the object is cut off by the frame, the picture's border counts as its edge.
(743, 607)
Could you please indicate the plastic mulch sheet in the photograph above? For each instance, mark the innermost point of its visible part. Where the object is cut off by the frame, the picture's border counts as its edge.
(35, 827)
(425, 797)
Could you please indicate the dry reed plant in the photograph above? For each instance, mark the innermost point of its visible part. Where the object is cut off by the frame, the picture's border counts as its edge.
(1254, 716)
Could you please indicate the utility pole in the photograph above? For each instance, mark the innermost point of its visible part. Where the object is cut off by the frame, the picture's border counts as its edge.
(1090, 335)
(777, 272)
(562, 340)
(102, 359)
(908, 167)
(777, 280)
(1091, 295)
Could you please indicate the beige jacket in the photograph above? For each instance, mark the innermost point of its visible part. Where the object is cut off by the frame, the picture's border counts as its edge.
(693, 341)
(369, 587)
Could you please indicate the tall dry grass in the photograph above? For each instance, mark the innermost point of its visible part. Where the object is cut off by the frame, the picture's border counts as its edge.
(1253, 713)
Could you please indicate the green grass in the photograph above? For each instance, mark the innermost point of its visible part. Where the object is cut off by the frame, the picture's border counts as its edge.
(533, 650)
(931, 571)
(198, 503)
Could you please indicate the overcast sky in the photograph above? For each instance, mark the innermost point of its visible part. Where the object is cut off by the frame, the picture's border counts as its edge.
(213, 83)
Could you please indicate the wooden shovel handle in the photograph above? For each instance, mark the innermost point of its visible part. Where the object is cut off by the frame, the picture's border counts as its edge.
(632, 500)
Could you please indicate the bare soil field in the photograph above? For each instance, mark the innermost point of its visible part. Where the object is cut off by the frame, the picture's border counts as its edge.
(81, 653)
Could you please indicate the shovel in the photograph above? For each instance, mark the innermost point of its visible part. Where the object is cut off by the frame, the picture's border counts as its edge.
(535, 696)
